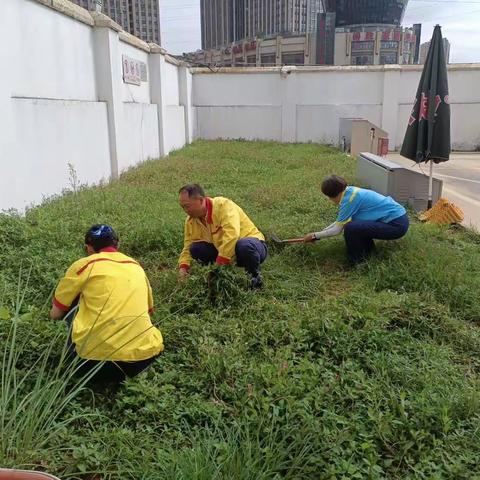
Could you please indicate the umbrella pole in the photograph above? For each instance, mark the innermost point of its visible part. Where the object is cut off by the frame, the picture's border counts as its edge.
(430, 186)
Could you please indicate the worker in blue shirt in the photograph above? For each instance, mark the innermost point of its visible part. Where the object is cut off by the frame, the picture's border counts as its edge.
(363, 216)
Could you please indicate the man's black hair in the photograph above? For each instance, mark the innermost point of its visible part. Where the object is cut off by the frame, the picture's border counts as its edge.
(192, 190)
(333, 185)
(101, 236)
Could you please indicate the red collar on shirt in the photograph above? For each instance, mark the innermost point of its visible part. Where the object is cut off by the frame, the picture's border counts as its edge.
(108, 249)
(209, 205)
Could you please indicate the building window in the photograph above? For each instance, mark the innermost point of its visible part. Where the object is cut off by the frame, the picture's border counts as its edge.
(388, 58)
(269, 60)
(362, 46)
(388, 45)
(293, 58)
(362, 59)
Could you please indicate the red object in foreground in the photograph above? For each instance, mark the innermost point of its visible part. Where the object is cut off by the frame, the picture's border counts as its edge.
(24, 475)
(383, 146)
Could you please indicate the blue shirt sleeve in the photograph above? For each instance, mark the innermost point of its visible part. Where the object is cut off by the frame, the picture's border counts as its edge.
(349, 205)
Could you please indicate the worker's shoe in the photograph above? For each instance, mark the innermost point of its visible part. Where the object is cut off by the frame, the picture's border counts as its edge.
(256, 282)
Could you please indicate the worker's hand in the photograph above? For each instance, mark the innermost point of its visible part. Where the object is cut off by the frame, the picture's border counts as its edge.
(310, 237)
(215, 272)
(182, 274)
(56, 313)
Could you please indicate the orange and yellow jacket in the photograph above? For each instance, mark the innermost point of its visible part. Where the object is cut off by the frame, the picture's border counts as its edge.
(224, 225)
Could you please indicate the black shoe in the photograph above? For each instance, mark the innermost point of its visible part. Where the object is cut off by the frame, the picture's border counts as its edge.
(256, 282)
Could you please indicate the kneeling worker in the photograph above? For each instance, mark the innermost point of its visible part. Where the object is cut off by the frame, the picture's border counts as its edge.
(363, 216)
(112, 323)
(216, 231)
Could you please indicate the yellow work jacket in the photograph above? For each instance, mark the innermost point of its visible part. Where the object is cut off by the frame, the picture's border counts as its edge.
(113, 321)
(224, 224)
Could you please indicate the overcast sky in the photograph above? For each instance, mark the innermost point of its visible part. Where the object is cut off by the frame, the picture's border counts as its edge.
(460, 21)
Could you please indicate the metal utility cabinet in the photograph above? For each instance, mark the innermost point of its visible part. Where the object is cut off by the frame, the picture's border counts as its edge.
(403, 185)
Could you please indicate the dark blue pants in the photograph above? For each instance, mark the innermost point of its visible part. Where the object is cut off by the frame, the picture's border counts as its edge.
(359, 236)
(109, 372)
(250, 253)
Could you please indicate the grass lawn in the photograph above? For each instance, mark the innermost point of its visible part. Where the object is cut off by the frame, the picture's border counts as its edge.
(328, 373)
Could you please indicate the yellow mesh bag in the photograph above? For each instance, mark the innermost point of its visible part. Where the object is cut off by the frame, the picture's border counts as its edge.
(443, 212)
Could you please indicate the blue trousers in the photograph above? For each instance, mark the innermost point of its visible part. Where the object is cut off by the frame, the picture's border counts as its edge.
(110, 371)
(250, 253)
(359, 236)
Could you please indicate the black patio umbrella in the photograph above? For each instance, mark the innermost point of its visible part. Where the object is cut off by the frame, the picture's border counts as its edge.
(427, 138)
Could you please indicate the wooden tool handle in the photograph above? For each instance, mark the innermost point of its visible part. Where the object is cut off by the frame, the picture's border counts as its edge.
(293, 240)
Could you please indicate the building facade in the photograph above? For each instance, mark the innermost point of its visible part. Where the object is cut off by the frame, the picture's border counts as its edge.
(424, 51)
(375, 45)
(369, 32)
(229, 21)
(258, 32)
(305, 32)
(138, 17)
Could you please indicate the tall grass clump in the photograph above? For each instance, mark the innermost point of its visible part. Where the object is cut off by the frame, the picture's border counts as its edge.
(35, 397)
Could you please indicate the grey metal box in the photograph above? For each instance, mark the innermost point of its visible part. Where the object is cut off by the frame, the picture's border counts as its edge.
(403, 185)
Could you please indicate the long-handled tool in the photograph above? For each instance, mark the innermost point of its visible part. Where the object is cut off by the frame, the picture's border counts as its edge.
(276, 239)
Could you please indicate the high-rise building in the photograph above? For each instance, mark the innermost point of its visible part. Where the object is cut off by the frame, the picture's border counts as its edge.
(424, 47)
(218, 23)
(138, 17)
(259, 32)
(363, 12)
(305, 32)
(417, 29)
(228, 21)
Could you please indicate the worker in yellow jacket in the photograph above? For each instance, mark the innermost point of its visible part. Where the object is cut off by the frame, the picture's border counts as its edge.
(106, 300)
(218, 231)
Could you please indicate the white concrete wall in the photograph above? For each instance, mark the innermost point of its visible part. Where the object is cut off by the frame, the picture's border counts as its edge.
(56, 134)
(238, 121)
(243, 106)
(175, 113)
(63, 101)
(175, 127)
(306, 104)
(141, 128)
(171, 84)
(53, 54)
(50, 114)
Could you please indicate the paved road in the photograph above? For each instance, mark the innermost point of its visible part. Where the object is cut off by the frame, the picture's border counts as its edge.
(461, 182)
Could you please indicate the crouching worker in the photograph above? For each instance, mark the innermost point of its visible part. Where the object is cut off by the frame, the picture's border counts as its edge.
(218, 231)
(363, 216)
(106, 298)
